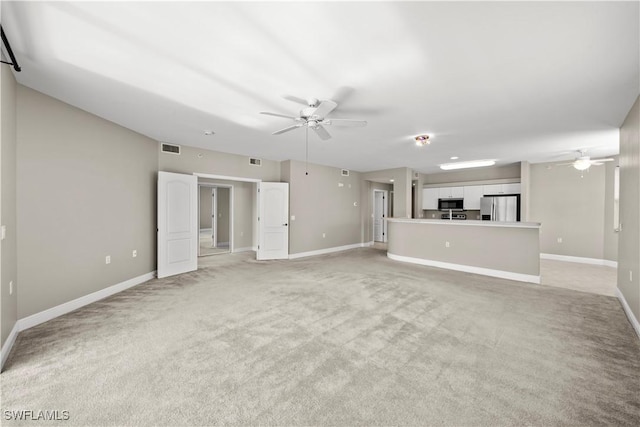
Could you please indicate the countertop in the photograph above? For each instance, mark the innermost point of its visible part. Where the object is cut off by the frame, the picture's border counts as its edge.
(466, 222)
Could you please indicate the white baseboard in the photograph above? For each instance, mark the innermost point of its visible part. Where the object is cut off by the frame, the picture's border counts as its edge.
(59, 310)
(581, 260)
(8, 344)
(628, 312)
(368, 244)
(328, 250)
(206, 230)
(529, 278)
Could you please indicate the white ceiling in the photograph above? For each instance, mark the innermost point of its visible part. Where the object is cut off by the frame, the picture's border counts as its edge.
(510, 81)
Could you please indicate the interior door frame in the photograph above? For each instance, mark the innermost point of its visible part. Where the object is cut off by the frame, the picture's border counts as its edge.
(214, 186)
(385, 214)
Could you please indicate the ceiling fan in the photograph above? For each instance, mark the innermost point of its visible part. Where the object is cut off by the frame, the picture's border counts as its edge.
(314, 116)
(584, 162)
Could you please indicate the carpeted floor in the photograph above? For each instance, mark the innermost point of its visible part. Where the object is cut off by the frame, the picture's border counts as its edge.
(350, 338)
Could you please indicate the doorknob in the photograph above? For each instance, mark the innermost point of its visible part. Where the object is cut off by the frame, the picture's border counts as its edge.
(285, 225)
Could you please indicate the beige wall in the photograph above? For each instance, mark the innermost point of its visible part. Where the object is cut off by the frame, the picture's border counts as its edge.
(205, 207)
(8, 213)
(629, 236)
(223, 214)
(320, 206)
(568, 207)
(195, 160)
(511, 171)
(511, 249)
(86, 189)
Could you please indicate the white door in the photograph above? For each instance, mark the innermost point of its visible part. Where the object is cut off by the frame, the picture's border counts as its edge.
(379, 215)
(273, 220)
(177, 223)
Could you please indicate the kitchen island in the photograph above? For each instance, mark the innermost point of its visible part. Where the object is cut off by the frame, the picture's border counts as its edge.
(510, 250)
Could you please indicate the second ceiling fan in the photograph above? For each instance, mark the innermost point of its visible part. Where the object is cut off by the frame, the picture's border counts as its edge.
(314, 117)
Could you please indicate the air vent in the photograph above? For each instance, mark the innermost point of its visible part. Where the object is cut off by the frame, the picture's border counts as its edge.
(255, 162)
(170, 148)
(344, 172)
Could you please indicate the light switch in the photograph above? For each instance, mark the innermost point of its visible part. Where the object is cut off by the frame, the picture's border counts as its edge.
(293, 217)
(4, 232)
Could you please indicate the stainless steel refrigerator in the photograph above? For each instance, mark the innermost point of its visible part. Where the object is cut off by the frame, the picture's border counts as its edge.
(500, 208)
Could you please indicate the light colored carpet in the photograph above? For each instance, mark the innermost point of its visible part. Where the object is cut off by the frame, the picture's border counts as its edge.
(207, 248)
(351, 338)
(597, 279)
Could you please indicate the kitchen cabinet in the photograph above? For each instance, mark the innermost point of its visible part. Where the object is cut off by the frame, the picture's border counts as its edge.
(513, 188)
(451, 192)
(430, 198)
(472, 195)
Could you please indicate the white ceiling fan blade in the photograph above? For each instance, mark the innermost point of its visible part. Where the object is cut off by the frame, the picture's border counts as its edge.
(325, 108)
(277, 115)
(564, 164)
(287, 129)
(603, 160)
(346, 122)
(321, 132)
(296, 100)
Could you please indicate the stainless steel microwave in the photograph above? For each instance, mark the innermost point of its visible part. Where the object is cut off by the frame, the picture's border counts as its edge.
(451, 204)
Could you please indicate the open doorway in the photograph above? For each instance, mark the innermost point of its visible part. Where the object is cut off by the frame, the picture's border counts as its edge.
(380, 213)
(215, 219)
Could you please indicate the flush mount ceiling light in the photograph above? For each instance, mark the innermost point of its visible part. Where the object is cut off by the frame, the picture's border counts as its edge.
(454, 158)
(466, 165)
(422, 140)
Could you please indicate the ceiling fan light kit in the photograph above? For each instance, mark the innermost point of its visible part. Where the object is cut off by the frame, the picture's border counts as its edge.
(422, 140)
(467, 165)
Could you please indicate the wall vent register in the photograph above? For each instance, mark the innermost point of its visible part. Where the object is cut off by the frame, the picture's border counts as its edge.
(344, 172)
(170, 148)
(255, 162)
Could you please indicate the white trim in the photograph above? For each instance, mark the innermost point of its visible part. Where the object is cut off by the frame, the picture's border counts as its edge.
(328, 250)
(228, 178)
(368, 244)
(581, 260)
(628, 312)
(8, 344)
(59, 310)
(206, 230)
(529, 278)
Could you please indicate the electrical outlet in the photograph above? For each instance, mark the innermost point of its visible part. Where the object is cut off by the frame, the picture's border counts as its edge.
(134, 253)
(3, 232)
(107, 259)
(433, 215)
(631, 275)
(446, 244)
(559, 239)
(241, 233)
(324, 235)
(11, 287)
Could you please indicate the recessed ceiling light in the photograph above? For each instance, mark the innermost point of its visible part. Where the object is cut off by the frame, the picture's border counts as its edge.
(422, 140)
(465, 165)
(454, 158)
(209, 132)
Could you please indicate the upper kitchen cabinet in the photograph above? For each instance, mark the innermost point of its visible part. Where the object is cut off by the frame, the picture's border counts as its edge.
(513, 188)
(451, 192)
(472, 196)
(430, 198)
